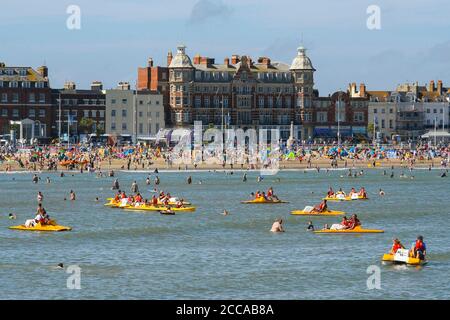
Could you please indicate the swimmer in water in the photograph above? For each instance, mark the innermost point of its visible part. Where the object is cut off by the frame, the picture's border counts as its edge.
(225, 213)
(72, 195)
(96, 199)
(48, 180)
(310, 226)
(60, 266)
(12, 216)
(277, 226)
(381, 193)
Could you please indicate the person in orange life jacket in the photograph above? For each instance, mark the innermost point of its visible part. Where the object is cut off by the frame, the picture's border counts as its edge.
(138, 198)
(419, 249)
(354, 222)
(154, 200)
(180, 203)
(396, 244)
(321, 207)
(330, 192)
(271, 195)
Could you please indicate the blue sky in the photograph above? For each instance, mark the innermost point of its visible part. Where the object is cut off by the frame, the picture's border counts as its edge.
(118, 36)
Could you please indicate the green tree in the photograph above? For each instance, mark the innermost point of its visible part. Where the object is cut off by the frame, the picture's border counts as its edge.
(370, 128)
(86, 125)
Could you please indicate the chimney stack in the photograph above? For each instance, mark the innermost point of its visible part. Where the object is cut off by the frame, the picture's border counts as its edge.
(431, 86)
(96, 85)
(362, 90)
(226, 61)
(123, 86)
(197, 59)
(69, 85)
(150, 62)
(169, 58)
(43, 71)
(439, 87)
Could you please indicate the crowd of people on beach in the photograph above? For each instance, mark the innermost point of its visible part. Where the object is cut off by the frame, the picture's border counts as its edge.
(90, 158)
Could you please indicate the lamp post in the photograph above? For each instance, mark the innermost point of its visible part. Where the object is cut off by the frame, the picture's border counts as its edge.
(339, 119)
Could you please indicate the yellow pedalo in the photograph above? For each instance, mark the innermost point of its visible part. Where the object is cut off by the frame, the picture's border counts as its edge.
(356, 230)
(52, 226)
(317, 214)
(402, 256)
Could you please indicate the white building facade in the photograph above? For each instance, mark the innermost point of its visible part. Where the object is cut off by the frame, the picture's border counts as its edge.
(128, 113)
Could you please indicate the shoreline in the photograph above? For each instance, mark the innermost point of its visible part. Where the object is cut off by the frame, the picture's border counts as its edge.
(322, 164)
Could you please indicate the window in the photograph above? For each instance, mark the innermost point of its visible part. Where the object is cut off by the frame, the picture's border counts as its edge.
(15, 98)
(383, 111)
(42, 98)
(434, 111)
(13, 84)
(391, 111)
(31, 98)
(141, 102)
(157, 102)
(141, 128)
(31, 113)
(42, 113)
(391, 124)
(113, 113)
(113, 126)
(261, 102)
(124, 126)
(157, 114)
(40, 84)
(157, 127)
(197, 102)
(270, 102)
(124, 101)
(382, 123)
(26, 84)
(177, 101)
(322, 117)
(15, 113)
(225, 102)
(4, 112)
(124, 113)
(4, 97)
(149, 128)
(102, 113)
(113, 101)
(206, 102)
(86, 114)
(358, 117)
(375, 110)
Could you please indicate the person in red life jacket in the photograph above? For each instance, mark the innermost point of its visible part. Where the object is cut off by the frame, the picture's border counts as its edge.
(117, 197)
(180, 203)
(362, 193)
(271, 195)
(138, 198)
(162, 195)
(257, 194)
(321, 207)
(124, 195)
(354, 222)
(330, 192)
(396, 244)
(130, 199)
(154, 200)
(419, 249)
